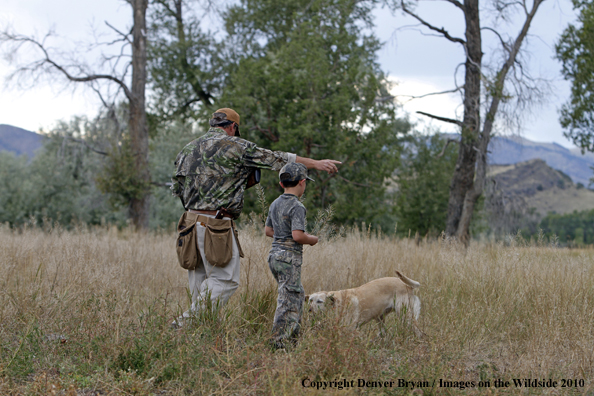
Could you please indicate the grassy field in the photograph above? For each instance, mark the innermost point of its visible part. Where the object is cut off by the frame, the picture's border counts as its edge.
(87, 312)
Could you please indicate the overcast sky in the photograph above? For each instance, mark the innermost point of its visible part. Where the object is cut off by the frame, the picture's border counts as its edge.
(416, 63)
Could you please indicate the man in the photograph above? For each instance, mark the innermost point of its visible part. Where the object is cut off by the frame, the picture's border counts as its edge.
(211, 175)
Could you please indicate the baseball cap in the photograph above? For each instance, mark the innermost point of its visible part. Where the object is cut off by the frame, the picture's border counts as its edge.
(225, 115)
(293, 171)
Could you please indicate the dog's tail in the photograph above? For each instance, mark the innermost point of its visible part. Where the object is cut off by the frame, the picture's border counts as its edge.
(408, 281)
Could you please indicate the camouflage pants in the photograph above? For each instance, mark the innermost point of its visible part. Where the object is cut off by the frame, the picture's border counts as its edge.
(289, 304)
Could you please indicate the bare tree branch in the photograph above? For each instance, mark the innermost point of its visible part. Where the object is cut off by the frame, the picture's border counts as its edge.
(496, 98)
(456, 3)
(124, 36)
(442, 31)
(8, 37)
(107, 106)
(81, 141)
(266, 132)
(445, 147)
(510, 61)
(432, 93)
(444, 119)
(382, 99)
(165, 5)
(503, 43)
(189, 69)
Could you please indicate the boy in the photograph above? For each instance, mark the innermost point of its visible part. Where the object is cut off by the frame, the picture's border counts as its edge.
(286, 223)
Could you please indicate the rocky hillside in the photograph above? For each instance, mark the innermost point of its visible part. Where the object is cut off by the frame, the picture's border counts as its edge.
(512, 150)
(18, 140)
(522, 194)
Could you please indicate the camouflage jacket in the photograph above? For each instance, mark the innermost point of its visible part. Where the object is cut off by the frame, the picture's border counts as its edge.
(211, 172)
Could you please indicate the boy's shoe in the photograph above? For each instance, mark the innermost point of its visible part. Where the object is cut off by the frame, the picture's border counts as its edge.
(277, 345)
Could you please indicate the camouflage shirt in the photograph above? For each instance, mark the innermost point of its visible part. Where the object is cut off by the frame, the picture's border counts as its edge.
(286, 214)
(211, 172)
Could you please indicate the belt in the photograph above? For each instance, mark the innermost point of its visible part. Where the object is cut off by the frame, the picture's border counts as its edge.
(208, 212)
(212, 212)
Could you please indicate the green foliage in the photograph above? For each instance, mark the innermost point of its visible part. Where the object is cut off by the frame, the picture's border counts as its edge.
(184, 62)
(118, 177)
(164, 147)
(307, 81)
(18, 192)
(576, 228)
(58, 184)
(423, 185)
(575, 50)
(303, 75)
(69, 181)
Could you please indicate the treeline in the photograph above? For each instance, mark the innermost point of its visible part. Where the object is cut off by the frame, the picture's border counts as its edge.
(303, 76)
(68, 181)
(305, 79)
(573, 229)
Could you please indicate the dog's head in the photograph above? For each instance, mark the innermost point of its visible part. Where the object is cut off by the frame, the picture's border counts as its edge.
(319, 300)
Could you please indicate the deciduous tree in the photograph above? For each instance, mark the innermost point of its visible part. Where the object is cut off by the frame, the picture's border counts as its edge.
(48, 62)
(486, 88)
(185, 63)
(423, 185)
(307, 81)
(575, 50)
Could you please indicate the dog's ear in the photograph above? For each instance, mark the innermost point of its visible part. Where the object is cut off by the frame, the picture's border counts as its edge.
(332, 299)
(307, 298)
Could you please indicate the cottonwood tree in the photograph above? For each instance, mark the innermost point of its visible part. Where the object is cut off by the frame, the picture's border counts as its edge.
(185, 66)
(486, 88)
(48, 62)
(575, 50)
(306, 80)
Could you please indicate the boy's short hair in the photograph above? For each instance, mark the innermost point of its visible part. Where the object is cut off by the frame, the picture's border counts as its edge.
(289, 183)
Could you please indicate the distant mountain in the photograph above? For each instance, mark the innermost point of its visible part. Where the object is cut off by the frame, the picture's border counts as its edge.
(512, 150)
(540, 187)
(19, 140)
(518, 196)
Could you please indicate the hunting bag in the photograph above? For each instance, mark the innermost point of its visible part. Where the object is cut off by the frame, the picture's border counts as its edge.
(186, 246)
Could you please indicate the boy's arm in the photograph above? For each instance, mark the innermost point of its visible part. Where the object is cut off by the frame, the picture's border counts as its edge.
(269, 231)
(304, 238)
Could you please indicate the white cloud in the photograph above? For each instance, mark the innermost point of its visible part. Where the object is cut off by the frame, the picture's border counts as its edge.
(42, 105)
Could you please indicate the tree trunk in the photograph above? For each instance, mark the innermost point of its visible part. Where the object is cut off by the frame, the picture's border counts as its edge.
(139, 206)
(474, 193)
(463, 178)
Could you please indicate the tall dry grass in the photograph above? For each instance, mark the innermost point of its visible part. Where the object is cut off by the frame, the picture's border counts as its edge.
(88, 311)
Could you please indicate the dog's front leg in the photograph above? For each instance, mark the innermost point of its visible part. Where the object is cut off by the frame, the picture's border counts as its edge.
(382, 325)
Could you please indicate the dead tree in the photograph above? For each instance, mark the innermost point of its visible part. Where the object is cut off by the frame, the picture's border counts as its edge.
(134, 90)
(476, 127)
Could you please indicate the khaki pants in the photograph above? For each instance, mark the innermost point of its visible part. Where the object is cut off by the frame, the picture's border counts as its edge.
(218, 283)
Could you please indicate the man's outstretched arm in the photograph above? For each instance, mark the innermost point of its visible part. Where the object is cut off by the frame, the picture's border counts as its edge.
(325, 165)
